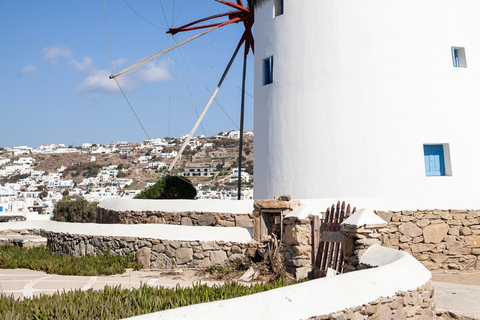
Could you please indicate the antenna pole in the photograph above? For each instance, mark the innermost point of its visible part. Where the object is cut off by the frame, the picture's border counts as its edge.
(240, 148)
(204, 110)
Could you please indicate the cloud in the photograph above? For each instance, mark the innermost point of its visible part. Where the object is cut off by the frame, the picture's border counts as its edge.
(120, 61)
(99, 81)
(85, 66)
(55, 52)
(29, 69)
(154, 72)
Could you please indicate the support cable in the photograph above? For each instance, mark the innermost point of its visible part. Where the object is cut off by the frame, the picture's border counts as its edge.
(205, 110)
(118, 84)
(141, 17)
(217, 71)
(206, 87)
(189, 92)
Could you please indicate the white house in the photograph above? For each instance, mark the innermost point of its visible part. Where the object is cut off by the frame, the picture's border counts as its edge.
(371, 98)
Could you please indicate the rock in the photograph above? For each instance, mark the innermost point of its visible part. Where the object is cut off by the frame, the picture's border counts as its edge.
(251, 252)
(243, 220)
(435, 233)
(423, 223)
(386, 216)
(186, 221)
(422, 247)
(236, 249)
(162, 262)
(236, 256)
(207, 219)
(302, 273)
(295, 234)
(218, 257)
(473, 241)
(209, 245)
(383, 313)
(143, 257)
(465, 231)
(184, 255)
(410, 229)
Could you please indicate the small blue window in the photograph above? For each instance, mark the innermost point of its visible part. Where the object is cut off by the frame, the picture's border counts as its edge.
(268, 70)
(434, 160)
(459, 57)
(1, 208)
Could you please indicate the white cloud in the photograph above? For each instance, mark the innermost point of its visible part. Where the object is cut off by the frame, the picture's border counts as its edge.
(98, 80)
(154, 72)
(120, 61)
(86, 65)
(29, 69)
(55, 52)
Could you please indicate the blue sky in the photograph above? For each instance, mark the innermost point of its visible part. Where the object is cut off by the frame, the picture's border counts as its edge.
(55, 62)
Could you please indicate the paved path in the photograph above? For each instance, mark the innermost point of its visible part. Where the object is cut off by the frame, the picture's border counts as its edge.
(26, 283)
(460, 299)
(457, 298)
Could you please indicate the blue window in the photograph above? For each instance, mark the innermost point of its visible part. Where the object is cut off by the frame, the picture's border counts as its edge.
(434, 160)
(268, 70)
(1, 208)
(458, 57)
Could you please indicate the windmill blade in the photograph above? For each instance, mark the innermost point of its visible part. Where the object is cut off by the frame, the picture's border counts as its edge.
(162, 52)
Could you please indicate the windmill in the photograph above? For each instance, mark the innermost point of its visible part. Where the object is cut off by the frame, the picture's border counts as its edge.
(239, 14)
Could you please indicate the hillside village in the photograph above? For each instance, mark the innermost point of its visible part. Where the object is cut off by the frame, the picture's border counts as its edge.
(32, 180)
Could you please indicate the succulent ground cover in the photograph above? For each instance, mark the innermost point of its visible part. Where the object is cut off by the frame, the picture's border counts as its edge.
(12, 257)
(118, 303)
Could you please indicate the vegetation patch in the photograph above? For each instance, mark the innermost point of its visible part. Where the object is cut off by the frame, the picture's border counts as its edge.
(118, 303)
(169, 187)
(75, 210)
(12, 257)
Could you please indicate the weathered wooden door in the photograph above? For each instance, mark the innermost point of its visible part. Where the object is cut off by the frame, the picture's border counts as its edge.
(327, 240)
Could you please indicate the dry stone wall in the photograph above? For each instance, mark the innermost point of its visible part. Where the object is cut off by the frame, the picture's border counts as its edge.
(415, 304)
(186, 218)
(151, 253)
(439, 239)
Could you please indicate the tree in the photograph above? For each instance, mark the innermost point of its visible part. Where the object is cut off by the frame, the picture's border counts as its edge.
(79, 210)
(169, 187)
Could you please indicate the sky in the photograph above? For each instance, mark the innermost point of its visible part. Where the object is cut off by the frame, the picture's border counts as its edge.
(55, 67)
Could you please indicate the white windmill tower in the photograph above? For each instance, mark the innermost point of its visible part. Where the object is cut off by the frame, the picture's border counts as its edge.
(367, 98)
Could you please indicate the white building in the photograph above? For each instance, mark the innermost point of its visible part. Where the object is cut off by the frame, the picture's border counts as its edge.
(234, 176)
(367, 99)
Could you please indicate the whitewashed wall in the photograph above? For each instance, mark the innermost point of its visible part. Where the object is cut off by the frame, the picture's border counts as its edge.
(359, 87)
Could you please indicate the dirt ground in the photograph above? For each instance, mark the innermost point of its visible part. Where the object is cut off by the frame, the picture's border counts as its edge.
(470, 277)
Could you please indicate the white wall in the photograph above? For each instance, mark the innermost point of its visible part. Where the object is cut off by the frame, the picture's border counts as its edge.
(359, 87)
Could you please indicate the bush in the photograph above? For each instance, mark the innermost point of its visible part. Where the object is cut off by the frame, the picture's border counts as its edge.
(169, 187)
(79, 210)
(41, 259)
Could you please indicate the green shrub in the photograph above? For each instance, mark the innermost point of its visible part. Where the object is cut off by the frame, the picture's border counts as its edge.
(41, 259)
(118, 303)
(169, 187)
(79, 210)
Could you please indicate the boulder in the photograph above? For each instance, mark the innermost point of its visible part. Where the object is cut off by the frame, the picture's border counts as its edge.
(143, 257)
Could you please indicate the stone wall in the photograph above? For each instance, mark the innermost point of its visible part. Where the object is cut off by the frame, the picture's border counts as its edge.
(439, 239)
(415, 304)
(186, 218)
(151, 253)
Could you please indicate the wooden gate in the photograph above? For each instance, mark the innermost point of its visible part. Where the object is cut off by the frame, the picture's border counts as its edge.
(327, 240)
